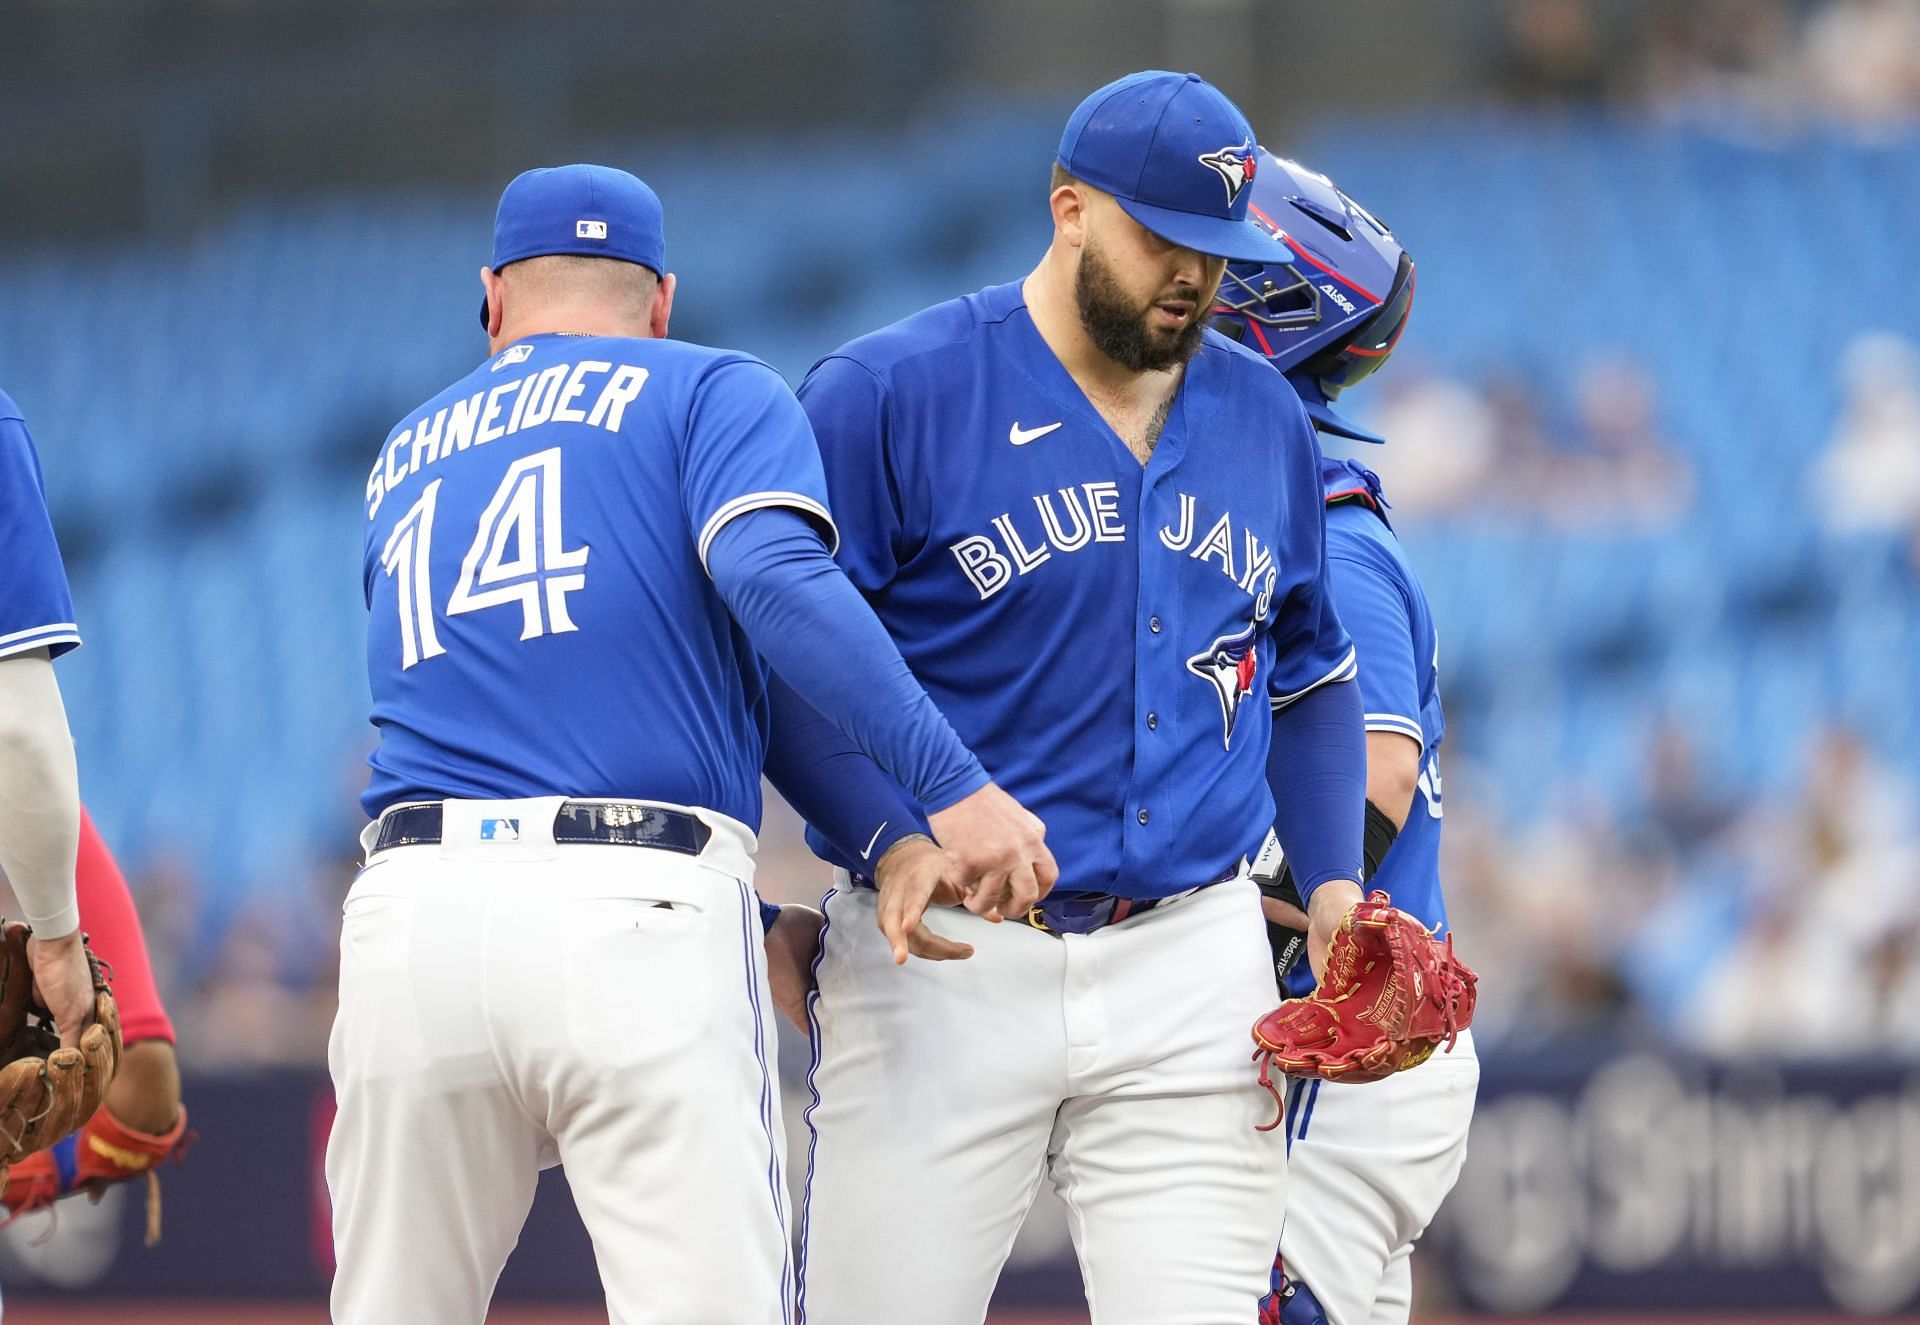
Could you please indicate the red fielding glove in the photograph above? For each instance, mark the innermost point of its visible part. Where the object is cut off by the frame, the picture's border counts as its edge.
(104, 1152)
(1391, 995)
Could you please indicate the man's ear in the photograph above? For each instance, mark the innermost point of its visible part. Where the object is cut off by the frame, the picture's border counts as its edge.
(662, 306)
(1069, 204)
(496, 303)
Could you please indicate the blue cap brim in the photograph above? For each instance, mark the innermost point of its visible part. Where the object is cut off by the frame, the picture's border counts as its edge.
(1328, 419)
(1216, 236)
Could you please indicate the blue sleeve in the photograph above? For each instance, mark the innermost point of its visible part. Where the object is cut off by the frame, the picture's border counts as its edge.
(849, 409)
(768, 914)
(1311, 647)
(815, 630)
(1375, 608)
(747, 447)
(1317, 770)
(36, 607)
(844, 796)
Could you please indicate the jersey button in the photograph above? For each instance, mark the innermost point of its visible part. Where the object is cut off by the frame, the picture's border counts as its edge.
(1153, 624)
(1153, 722)
(1142, 816)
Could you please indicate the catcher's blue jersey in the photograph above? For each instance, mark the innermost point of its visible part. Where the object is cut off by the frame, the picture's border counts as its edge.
(1108, 638)
(36, 608)
(1383, 606)
(542, 620)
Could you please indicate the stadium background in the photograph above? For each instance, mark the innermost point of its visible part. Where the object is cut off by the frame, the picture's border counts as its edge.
(1656, 447)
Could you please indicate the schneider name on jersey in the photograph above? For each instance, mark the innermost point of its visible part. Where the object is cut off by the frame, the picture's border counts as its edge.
(541, 528)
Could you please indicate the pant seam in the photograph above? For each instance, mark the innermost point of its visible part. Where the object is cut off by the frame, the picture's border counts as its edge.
(776, 1180)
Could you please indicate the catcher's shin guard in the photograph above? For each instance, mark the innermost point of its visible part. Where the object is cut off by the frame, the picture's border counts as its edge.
(104, 1152)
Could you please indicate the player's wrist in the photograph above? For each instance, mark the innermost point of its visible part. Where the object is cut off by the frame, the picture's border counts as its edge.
(60, 931)
(1329, 901)
(902, 848)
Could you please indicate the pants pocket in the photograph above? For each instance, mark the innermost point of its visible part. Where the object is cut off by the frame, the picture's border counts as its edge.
(643, 976)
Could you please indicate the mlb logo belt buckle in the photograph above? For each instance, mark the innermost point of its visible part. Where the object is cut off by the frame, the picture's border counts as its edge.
(604, 823)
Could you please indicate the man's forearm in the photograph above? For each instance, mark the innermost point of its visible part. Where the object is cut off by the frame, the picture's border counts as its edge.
(820, 636)
(39, 795)
(1317, 771)
(833, 784)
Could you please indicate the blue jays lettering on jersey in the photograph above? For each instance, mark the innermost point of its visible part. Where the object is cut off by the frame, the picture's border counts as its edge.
(1108, 638)
(1384, 608)
(36, 608)
(542, 621)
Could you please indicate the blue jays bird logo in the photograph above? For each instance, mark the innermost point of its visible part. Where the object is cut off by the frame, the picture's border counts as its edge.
(1234, 165)
(1229, 665)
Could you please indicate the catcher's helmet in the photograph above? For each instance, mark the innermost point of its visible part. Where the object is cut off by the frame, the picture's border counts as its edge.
(1332, 318)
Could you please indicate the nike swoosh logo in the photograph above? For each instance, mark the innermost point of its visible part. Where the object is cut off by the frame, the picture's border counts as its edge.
(884, 822)
(1021, 436)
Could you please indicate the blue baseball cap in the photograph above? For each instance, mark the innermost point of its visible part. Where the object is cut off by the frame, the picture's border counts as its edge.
(587, 211)
(1178, 157)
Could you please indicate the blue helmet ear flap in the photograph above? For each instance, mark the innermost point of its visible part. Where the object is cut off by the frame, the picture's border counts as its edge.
(1325, 417)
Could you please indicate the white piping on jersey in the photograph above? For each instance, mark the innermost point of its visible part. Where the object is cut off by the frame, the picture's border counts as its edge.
(38, 642)
(754, 501)
(1393, 722)
(1347, 669)
(38, 630)
(40, 637)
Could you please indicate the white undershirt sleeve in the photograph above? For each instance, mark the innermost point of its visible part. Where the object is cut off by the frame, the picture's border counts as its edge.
(39, 795)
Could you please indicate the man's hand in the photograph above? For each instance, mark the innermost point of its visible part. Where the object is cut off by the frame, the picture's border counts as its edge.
(1325, 910)
(912, 875)
(1001, 852)
(64, 982)
(792, 944)
(1284, 914)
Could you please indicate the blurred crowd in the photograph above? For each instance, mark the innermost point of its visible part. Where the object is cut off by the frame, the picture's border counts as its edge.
(1502, 446)
(1867, 482)
(1763, 927)
(1747, 65)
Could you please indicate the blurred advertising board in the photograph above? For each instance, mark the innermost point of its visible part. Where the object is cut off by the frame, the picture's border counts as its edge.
(1619, 1184)
(1649, 1182)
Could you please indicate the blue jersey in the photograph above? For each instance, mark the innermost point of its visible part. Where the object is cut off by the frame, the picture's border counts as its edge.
(542, 620)
(1108, 638)
(36, 608)
(1384, 607)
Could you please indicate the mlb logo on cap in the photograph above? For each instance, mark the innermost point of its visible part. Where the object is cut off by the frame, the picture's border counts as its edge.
(583, 210)
(1177, 156)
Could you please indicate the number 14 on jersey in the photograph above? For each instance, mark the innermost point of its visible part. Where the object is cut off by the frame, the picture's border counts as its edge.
(518, 555)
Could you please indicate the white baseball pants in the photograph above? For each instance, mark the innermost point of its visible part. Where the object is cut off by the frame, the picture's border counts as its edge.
(1367, 1168)
(508, 1006)
(1115, 1065)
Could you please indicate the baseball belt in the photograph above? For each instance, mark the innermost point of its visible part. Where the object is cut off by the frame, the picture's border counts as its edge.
(603, 823)
(1086, 912)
